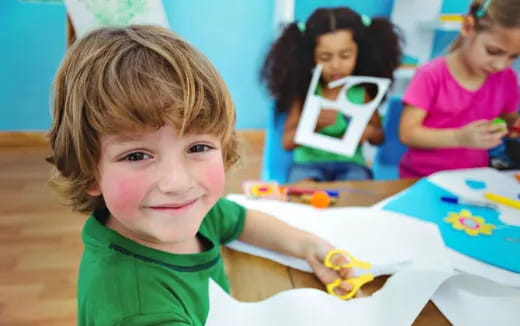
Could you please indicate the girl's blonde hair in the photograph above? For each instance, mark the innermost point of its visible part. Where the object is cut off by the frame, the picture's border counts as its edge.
(120, 79)
(501, 13)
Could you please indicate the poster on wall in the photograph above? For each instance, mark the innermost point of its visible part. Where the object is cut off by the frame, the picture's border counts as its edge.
(87, 15)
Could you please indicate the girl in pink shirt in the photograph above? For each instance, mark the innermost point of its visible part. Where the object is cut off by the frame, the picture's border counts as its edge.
(451, 101)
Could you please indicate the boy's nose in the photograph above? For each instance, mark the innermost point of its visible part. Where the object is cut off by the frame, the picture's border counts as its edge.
(174, 176)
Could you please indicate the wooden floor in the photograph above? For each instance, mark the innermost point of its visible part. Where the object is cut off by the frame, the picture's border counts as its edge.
(40, 244)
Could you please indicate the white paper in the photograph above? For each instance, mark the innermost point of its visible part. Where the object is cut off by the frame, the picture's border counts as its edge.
(387, 240)
(87, 15)
(409, 248)
(359, 114)
(398, 303)
(475, 301)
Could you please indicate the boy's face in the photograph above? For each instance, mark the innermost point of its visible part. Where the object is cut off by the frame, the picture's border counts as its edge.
(490, 51)
(158, 186)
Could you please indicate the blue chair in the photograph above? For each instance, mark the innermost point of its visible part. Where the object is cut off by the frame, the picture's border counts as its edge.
(388, 154)
(276, 160)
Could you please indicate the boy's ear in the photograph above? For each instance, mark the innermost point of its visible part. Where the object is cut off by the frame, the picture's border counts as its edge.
(468, 25)
(94, 190)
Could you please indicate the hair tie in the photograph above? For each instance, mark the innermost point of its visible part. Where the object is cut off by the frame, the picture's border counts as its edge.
(301, 27)
(367, 21)
(482, 10)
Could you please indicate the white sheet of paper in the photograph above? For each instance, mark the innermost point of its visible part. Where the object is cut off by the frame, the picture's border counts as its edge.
(359, 114)
(398, 303)
(387, 240)
(472, 300)
(458, 298)
(87, 15)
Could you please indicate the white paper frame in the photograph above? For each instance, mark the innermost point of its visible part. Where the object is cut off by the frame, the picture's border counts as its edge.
(360, 114)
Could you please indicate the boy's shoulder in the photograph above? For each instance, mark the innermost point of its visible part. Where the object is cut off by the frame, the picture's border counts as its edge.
(225, 221)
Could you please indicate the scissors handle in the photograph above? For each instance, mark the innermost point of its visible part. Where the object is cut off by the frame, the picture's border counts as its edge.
(353, 262)
(356, 283)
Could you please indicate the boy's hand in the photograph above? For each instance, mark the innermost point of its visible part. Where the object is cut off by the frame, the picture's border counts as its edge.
(480, 134)
(316, 257)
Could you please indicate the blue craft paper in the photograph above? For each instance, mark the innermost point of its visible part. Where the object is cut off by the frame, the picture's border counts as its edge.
(422, 201)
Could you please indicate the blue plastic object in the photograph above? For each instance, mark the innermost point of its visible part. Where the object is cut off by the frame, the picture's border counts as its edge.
(388, 154)
(276, 160)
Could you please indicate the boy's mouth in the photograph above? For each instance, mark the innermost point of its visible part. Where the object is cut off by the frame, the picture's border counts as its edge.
(175, 206)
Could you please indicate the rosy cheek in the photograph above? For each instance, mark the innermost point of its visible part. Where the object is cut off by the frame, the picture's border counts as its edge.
(215, 176)
(124, 196)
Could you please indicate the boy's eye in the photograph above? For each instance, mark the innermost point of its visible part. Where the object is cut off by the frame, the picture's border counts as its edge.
(198, 148)
(136, 156)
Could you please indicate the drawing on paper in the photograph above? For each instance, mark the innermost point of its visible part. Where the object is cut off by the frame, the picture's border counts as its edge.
(472, 225)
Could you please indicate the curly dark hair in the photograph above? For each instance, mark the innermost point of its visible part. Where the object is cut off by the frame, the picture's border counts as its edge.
(287, 69)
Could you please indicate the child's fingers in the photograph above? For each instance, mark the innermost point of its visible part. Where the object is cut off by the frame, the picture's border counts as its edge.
(498, 128)
(327, 276)
(344, 273)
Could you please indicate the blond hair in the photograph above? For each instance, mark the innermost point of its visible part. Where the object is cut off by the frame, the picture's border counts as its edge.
(120, 79)
(496, 13)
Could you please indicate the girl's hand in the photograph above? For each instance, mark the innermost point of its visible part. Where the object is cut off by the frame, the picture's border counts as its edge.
(326, 118)
(316, 256)
(370, 133)
(515, 128)
(480, 134)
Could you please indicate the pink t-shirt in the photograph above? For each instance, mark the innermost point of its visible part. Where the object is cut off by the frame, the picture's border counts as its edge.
(449, 105)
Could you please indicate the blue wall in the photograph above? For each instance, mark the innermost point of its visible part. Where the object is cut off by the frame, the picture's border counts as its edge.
(234, 34)
(304, 8)
(33, 42)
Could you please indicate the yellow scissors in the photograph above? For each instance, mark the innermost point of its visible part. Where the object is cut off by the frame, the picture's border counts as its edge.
(356, 282)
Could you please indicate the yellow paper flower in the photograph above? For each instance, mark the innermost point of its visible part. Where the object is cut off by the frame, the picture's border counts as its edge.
(472, 225)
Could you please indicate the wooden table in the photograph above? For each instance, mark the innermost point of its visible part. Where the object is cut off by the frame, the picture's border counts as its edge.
(253, 278)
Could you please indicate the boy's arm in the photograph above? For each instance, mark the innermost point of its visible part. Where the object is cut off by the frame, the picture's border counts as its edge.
(268, 232)
(477, 134)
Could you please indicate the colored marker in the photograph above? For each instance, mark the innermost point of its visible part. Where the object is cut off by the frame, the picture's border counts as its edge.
(304, 191)
(456, 200)
(502, 200)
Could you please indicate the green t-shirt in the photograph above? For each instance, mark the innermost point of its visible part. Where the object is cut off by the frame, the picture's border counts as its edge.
(124, 283)
(307, 154)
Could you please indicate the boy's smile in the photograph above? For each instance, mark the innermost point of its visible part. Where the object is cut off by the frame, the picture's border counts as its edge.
(158, 186)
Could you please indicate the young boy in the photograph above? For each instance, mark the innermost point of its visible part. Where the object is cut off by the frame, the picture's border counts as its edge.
(142, 134)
